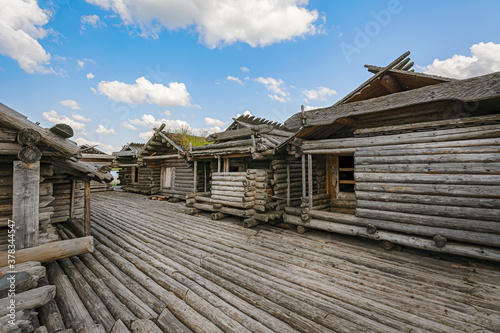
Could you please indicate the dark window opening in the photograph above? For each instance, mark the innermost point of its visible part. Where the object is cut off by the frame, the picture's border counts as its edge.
(346, 174)
(136, 175)
(234, 169)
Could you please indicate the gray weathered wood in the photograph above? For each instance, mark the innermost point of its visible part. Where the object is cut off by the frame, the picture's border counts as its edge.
(87, 208)
(30, 299)
(310, 179)
(25, 200)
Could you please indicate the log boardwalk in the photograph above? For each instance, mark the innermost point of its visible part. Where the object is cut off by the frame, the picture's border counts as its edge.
(157, 269)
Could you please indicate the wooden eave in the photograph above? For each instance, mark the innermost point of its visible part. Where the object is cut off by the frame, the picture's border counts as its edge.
(481, 88)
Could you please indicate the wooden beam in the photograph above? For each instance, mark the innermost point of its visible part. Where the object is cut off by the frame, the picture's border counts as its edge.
(84, 168)
(52, 251)
(195, 176)
(390, 83)
(160, 157)
(304, 194)
(240, 133)
(26, 185)
(72, 200)
(310, 180)
(151, 139)
(87, 208)
(12, 118)
(370, 80)
(288, 183)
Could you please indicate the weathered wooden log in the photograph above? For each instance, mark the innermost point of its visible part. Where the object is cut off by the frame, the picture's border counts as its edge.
(25, 204)
(433, 168)
(237, 212)
(28, 137)
(218, 216)
(411, 241)
(73, 311)
(192, 211)
(301, 229)
(63, 130)
(49, 313)
(52, 251)
(170, 324)
(144, 325)
(27, 300)
(20, 281)
(95, 306)
(427, 179)
(387, 245)
(119, 327)
(207, 207)
(439, 240)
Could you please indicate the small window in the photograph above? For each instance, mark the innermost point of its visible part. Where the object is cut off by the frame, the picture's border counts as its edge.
(135, 175)
(346, 174)
(167, 175)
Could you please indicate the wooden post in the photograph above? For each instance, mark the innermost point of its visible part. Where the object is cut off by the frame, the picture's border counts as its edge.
(72, 201)
(204, 177)
(310, 174)
(288, 183)
(303, 176)
(25, 201)
(87, 208)
(218, 163)
(195, 177)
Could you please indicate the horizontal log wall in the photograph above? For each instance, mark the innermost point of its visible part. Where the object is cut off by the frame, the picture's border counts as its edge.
(433, 185)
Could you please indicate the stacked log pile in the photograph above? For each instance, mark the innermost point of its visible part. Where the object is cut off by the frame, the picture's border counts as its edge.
(28, 287)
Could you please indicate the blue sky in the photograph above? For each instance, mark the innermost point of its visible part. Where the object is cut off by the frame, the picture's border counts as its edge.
(114, 72)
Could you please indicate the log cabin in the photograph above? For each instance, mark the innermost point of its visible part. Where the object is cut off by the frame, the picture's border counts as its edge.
(241, 174)
(102, 161)
(128, 168)
(42, 182)
(409, 159)
(163, 160)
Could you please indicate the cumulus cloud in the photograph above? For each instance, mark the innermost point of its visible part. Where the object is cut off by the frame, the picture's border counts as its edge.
(90, 76)
(219, 22)
(149, 121)
(279, 93)
(102, 146)
(235, 79)
(80, 118)
(214, 122)
(246, 113)
(70, 103)
(105, 131)
(128, 126)
(310, 107)
(484, 59)
(244, 69)
(55, 118)
(21, 25)
(166, 112)
(143, 91)
(319, 94)
(92, 20)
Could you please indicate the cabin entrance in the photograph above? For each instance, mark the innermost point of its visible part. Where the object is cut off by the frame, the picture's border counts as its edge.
(340, 183)
(166, 177)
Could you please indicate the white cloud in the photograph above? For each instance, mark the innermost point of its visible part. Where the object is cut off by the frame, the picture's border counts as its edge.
(90, 76)
(70, 103)
(21, 25)
(319, 94)
(54, 118)
(484, 59)
(93, 90)
(235, 79)
(105, 131)
(310, 107)
(149, 121)
(146, 135)
(80, 63)
(92, 20)
(244, 69)
(128, 126)
(80, 118)
(102, 146)
(275, 86)
(219, 22)
(166, 112)
(246, 113)
(144, 91)
(214, 122)
(214, 129)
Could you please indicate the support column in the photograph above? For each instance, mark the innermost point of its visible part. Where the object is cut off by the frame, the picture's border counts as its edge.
(87, 208)
(288, 183)
(72, 201)
(310, 174)
(304, 194)
(195, 187)
(25, 202)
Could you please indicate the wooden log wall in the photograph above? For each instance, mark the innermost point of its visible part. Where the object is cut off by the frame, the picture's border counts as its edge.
(61, 192)
(441, 184)
(280, 183)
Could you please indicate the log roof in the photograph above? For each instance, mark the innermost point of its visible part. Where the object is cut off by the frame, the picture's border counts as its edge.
(60, 150)
(129, 150)
(246, 135)
(483, 89)
(200, 275)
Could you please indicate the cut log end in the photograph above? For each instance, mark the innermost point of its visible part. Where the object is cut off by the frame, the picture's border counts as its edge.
(28, 137)
(387, 245)
(440, 241)
(29, 154)
(371, 229)
(62, 130)
(301, 229)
